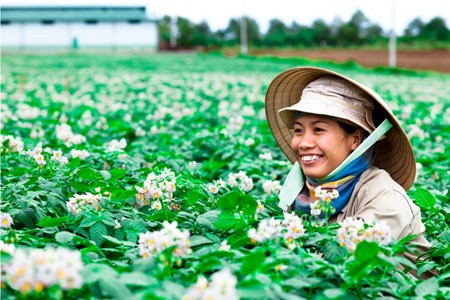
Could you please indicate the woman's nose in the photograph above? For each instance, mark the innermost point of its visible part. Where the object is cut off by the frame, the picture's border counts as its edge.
(306, 142)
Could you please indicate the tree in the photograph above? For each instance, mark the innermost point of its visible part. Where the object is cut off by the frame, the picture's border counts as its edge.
(435, 30)
(414, 28)
(277, 34)
(253, 32)
(323, 33)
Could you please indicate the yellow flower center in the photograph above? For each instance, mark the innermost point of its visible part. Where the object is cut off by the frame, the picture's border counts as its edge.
(39, 287)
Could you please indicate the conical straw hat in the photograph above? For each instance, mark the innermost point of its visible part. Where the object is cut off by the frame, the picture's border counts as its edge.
(393, 153)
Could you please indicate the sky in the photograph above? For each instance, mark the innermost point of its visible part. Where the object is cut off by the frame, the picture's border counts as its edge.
(217, 13)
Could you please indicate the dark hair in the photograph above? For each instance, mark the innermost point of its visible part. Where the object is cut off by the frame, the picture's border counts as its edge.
(351, 128)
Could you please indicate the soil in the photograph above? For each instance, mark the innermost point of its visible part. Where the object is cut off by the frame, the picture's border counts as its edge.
(424, 60)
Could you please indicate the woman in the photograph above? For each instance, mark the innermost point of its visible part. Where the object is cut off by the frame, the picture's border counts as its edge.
(341, 135)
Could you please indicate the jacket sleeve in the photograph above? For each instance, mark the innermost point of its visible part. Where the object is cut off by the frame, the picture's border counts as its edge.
(380, 198)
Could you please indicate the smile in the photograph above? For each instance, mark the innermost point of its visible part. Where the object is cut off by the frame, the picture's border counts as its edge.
(310, 158)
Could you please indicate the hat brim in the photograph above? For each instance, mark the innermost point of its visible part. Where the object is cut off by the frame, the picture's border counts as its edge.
(393, 153)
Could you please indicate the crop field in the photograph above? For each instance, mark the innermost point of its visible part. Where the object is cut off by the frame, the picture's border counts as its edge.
(156, 177)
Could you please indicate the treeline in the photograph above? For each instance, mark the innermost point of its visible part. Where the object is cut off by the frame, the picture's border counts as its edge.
(358, 31)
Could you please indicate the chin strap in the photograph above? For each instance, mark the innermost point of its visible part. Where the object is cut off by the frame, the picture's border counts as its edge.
(295, 180)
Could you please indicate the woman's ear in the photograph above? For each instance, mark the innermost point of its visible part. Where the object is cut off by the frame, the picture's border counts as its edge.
(358, 137)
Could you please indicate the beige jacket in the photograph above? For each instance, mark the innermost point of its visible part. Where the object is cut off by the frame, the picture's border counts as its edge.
(378, 197)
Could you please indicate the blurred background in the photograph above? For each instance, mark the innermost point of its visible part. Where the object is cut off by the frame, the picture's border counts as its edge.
(396, 33)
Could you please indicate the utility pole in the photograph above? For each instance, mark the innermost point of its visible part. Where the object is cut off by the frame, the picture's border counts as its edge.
(173, 32)
(244, 44)
(392, 39)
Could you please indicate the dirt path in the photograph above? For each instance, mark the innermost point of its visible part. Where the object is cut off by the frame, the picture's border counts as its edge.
(431, 60)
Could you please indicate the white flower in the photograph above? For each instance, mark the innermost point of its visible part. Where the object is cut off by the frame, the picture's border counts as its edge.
(259, 207)
(267, 229)
(248, 142)
(14, 144)
(192, 165)
(266, 156)
(8, 248)
(222, 287)
(40, 160)
(6, 220)
(241, 180)
(224, 246)
(82, 154)
(65, 134)
(156, 205)
(115, 145)
(353, 231)
(213, 188)
(315, 208)
(78, 203)
(117, 224)
(37, 269)
(139, 131)
(271, 186)
(152, 243)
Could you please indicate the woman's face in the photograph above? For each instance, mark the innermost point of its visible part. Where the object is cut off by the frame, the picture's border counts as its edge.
(320, 144)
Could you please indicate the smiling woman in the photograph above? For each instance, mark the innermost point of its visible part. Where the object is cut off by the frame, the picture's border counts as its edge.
(343, 138)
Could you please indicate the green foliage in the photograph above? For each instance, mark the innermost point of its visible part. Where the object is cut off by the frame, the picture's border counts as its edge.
(176, 109)
(358, 31)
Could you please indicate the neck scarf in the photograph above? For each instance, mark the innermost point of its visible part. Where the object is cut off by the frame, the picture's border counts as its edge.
(344, 182)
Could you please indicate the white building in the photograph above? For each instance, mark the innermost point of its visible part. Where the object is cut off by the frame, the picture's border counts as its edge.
(73, 27)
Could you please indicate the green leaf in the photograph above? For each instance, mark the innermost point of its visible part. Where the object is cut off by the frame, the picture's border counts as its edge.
(6, 258)
(74, 162)
(121, 194)
(424, 198)
(105, 175)
(50, 222)
(81, 186)
(195, 197)
(399, 247)
(334, 293)
(114, 288)
(248, 205)
(428, 266)
(333, 252)
(88, 174)
(118, 242)
(238, 239)
(94, 272)
(117, 174)
(138, 279)
(96, 233)
(198, 240)
(226, 220)
(88, 221)
(252, 292)
(366, 251)
(365, 254)
(252, 261)
(427, 287)
(64, 237)
(302, 282)
(229, 201)
(26, 217)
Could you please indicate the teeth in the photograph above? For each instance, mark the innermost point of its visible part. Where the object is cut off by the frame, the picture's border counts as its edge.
(308, 158)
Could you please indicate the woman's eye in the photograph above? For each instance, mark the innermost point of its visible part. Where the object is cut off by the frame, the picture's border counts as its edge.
(318, 129)
(297, 131)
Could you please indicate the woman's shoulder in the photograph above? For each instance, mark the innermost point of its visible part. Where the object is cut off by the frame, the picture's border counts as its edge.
(376, 178)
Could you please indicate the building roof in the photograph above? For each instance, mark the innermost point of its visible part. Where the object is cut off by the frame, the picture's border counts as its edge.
(24, 14)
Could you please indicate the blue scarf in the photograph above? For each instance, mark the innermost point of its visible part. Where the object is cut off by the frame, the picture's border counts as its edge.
(344, 182)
